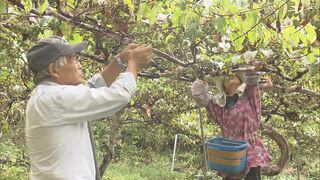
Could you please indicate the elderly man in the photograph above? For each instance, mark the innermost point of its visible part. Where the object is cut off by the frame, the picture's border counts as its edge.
(60, 106)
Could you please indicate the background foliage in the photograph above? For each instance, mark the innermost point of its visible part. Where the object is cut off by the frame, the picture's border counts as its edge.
(192, 39)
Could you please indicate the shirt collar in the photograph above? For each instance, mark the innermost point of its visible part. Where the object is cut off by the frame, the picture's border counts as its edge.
(48, 83)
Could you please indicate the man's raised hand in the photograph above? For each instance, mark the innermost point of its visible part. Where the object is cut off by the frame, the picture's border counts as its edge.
(141, 56)
(123, 55)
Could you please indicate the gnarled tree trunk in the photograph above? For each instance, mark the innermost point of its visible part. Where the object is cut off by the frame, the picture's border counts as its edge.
(283, 145)
(114, 129)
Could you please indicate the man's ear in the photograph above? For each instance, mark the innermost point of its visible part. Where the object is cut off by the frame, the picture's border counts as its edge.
(52, 71)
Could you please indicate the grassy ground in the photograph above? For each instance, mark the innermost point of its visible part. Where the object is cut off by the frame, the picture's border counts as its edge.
(126, 172)
(158, 169)
(139, 165)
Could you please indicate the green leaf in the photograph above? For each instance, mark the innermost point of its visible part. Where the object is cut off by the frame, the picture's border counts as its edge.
(192, 31)
(2, 7)
(65, 28)
(130, 4)
(314, 68)
(169, 38)
(4, 127)
(232, 8)
(43, 6)
(252, 36)
(303, 38)
(131, 102)
(235, 22)
(311, 57)
(152, 13)
(251, 19)
(296, 23)
(187, 20)
(221, 24)
(176, 20)
(286, 32)
(315, 50)
(260, 34)
(238, 43)
(311, 33)
(283, 12)
(76, 38)
(141, 12)
(27, 5)
(45, 34)
(307, 60)
(291, 36)
(192, 25)
(45, 20)
(171, 6)
(71, 1)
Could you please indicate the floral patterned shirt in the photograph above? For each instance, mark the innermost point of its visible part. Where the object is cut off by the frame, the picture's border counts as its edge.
(241, 122)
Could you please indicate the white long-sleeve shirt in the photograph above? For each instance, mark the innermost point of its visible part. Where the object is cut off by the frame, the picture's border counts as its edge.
(57, 136)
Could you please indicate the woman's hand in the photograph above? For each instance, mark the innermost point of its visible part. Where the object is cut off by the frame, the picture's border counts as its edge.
(257, 66)
(267, 83)
(200, 94)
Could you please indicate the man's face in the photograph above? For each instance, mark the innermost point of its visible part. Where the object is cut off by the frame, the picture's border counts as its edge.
(71, 72)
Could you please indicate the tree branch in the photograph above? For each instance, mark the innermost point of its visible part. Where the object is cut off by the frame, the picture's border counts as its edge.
(170, 58)
(94, 29)
(296, 89)
(261, 20)
(298, 76)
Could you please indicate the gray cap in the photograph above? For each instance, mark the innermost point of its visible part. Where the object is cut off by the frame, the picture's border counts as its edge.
(50, 49)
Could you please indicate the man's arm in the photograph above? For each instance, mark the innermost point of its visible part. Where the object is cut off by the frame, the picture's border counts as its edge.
(137, 57)
(111, 72)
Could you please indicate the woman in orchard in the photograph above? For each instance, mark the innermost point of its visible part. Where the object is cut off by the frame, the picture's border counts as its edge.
(237, 110)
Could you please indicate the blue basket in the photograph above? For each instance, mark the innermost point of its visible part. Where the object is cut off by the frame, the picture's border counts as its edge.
(226, 155)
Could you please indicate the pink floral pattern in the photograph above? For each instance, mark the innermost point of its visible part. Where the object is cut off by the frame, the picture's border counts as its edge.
(241, 122)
